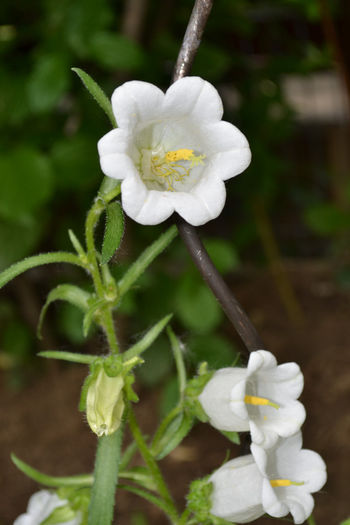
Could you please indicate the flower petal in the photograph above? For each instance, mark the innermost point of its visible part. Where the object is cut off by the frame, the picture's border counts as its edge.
(301, 507)
(203, 203)
(216, 397)
(117, 166)
(227, 147)
(260, 359)
(115, 141)
(135, 102)
(143, 205)
(271, 503)
(194, 97)
(236, 492)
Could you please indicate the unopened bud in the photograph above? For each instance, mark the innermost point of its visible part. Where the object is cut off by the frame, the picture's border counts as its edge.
(104, 403)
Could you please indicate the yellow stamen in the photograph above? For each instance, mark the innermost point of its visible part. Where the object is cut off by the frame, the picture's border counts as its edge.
(255, 400)
(179, 154)
(284, 483)
(170, 169)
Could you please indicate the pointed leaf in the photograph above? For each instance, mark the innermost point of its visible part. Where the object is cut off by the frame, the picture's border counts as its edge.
(89, 316)
(83, 480)
(147, 339)
(65, 292)
(113, 232)
(68, 356)
(97, 93)
(38, 260)
(145, 259)
(175, 433)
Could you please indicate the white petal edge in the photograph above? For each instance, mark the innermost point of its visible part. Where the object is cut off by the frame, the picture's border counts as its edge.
(203, 203)
(117, 166)
(115, 141)
(260, 359)
(193, 97)
(215, 400)
(147, 207)
(136, 101)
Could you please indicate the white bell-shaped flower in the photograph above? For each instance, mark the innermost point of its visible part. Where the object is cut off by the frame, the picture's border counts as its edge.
(172, 151)
(40, 507)
(260, 398)
(291, 474)
(277, 481)
(237, 488)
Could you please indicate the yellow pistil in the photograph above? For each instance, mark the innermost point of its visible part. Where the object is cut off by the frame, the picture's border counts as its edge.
(255, 400)
(284, 483)
(170, 168)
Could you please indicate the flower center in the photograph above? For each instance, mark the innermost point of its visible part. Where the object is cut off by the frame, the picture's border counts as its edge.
(164, 170)
(285, 483)
(255, 400)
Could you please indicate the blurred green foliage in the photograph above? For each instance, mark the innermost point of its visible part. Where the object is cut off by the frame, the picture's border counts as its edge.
(49, 169)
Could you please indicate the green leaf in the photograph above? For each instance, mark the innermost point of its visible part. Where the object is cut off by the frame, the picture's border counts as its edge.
(60, 515)
(346, 522)
(113, 232)
(65, 292)
(97, 93)
(94, 306)
(196, 306)
(146, 341)
(26, 183)
(174, 434)
(83, 480)
(140, 475)
(232, 436)
(116, 51)
(177, 349)
(145, 259)
(48, 82)
(68, 356)
(37, 260)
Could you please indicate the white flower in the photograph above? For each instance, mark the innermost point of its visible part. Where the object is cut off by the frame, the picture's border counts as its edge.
(290, 474)
(40, 506)
(260, 398)
(237, 488)
(276, 481)
(172, 151)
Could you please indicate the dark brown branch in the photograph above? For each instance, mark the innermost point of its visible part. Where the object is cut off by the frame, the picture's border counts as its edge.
(192, 37)
(212, 277)
(189, 235)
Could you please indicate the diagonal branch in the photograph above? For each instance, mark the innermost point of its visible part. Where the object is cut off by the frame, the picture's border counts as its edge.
(189, 234)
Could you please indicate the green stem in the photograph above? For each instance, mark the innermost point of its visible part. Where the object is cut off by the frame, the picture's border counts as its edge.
(90, 224)
(311, 520)
(153, 467)
(105, 479)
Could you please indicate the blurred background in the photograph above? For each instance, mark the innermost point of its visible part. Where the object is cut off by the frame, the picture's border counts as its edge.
(282, 68)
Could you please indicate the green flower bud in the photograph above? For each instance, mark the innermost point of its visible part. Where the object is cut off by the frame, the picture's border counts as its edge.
(104, 403)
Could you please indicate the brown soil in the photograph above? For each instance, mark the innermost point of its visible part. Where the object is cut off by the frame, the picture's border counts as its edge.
(41, 424)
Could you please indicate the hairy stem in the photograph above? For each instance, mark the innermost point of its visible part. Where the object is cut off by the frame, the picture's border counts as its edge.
(105, 479)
